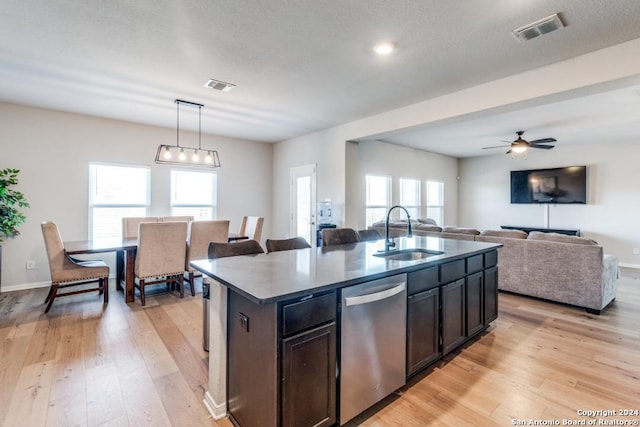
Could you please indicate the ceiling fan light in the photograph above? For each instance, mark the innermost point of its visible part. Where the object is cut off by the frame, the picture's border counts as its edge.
(519, 148)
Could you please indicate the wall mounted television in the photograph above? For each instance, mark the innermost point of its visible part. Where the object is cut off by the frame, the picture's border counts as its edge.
(566, 185)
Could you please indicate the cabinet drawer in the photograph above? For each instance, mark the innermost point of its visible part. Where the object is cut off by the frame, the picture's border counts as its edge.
(491, 259)
(422, 280)
(302, 315)
(475, 263)
(451, 271)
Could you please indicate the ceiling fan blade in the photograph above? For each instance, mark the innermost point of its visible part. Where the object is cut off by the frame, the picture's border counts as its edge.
(546, 147)
(496, 146)
(508, 152)
(543, 141)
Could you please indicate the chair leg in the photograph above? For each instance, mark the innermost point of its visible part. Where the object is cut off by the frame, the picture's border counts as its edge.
(105, 286)
(192, 283)
(49, 294)
(142, 301)
(181, 285)
(52, 295)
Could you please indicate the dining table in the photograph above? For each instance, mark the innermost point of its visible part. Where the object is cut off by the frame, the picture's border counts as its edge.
(125, 272)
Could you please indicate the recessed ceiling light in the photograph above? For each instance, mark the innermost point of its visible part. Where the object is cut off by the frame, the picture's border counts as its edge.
(218, 85)
(384, 48)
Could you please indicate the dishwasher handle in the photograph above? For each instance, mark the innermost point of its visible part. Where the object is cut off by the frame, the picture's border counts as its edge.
(377, 296)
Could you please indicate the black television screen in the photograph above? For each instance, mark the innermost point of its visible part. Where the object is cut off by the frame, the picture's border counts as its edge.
(555, 186)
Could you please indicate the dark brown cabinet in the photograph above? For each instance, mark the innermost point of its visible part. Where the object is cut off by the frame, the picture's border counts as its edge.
(309, 378)
(475, 303)
(490, 295)
(423, 329)
(453, 315)
(282, 361)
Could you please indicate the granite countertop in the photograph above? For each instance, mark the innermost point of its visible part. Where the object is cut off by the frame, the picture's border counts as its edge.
(279, 276)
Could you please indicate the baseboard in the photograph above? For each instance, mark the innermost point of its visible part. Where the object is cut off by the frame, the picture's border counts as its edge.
(217, 411)
(25, 286)
(629, 265)
(36, 285)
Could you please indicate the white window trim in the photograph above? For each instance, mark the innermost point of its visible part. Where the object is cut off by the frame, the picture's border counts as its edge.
(389, 180)
(93, 205)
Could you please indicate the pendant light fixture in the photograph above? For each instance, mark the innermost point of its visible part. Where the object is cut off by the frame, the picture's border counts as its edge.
(187, 156)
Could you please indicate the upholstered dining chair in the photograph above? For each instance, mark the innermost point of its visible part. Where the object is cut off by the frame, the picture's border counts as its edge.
(185, 218)
(274, 245)
(244, 247)
(129, 231)
(66, 271)
(369, 235)
(162, 249)
(339, 236)
(251, 227)
(200, 234)
(130, 225)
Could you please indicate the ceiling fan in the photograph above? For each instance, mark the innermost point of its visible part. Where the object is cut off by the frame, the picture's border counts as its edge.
(521, 145)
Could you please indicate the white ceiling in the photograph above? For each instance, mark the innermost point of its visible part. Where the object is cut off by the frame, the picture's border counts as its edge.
(303, 66)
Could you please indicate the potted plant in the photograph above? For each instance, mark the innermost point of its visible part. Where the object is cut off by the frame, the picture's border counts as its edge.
(11, 201)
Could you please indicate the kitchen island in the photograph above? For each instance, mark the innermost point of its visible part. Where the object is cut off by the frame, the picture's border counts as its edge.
(280, 335)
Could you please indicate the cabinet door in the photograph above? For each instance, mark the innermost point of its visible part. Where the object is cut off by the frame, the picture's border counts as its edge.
(453, 315)
(475, 303)
(490, 295)
(423, 329)
(309, 378)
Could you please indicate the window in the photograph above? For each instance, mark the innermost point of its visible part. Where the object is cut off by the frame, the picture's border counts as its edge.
(116, 192)
(194, 193)
(410, 196)
(378, 198)
(435, 201)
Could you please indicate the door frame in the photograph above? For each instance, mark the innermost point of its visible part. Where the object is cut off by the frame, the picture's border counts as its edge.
(297, 171)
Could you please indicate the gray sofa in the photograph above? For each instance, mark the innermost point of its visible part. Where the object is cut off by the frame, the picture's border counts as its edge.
(567, 269)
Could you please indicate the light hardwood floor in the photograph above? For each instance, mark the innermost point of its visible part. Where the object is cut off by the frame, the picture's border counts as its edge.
(126, 365)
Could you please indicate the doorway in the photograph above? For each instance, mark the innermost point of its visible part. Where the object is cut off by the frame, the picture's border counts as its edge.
(303, 203)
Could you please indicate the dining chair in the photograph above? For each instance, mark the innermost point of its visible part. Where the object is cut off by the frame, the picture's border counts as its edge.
(251, 227)
(339, 236)
(244, 247)
(369, 234)
(200, 234)
(129, 231)
(161, 255)
(185, 218)
(66, 271)
(274, 245)
(130, 225)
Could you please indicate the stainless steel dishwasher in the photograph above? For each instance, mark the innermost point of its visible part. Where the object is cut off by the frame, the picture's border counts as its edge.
(373, 343)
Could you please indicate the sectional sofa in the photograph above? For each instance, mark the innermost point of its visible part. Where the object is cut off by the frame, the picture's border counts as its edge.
(568, 269)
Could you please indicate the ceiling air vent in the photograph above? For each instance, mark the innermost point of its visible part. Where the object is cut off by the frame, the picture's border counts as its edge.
(535, 29)
(218, 85)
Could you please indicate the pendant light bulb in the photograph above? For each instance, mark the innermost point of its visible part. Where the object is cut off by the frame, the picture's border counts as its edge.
(182, 156)
(208, 157)
(195, 157)
(167, 153)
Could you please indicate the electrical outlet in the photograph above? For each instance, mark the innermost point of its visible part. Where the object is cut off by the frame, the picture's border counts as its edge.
(636, 251)
(31, 264)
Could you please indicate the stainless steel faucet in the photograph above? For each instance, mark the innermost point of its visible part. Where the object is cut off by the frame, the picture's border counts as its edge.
(388, 243)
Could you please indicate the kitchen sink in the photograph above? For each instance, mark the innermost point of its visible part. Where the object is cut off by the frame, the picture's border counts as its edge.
(408, 254)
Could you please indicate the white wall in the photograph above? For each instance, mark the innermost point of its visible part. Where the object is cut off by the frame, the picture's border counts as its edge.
(53, 151)
(613, 199)
(617, 65)
(379, 158)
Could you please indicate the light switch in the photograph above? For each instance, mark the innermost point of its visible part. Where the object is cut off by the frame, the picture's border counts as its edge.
(244, 321)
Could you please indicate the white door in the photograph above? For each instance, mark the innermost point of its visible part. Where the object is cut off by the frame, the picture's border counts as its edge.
(303, 203)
